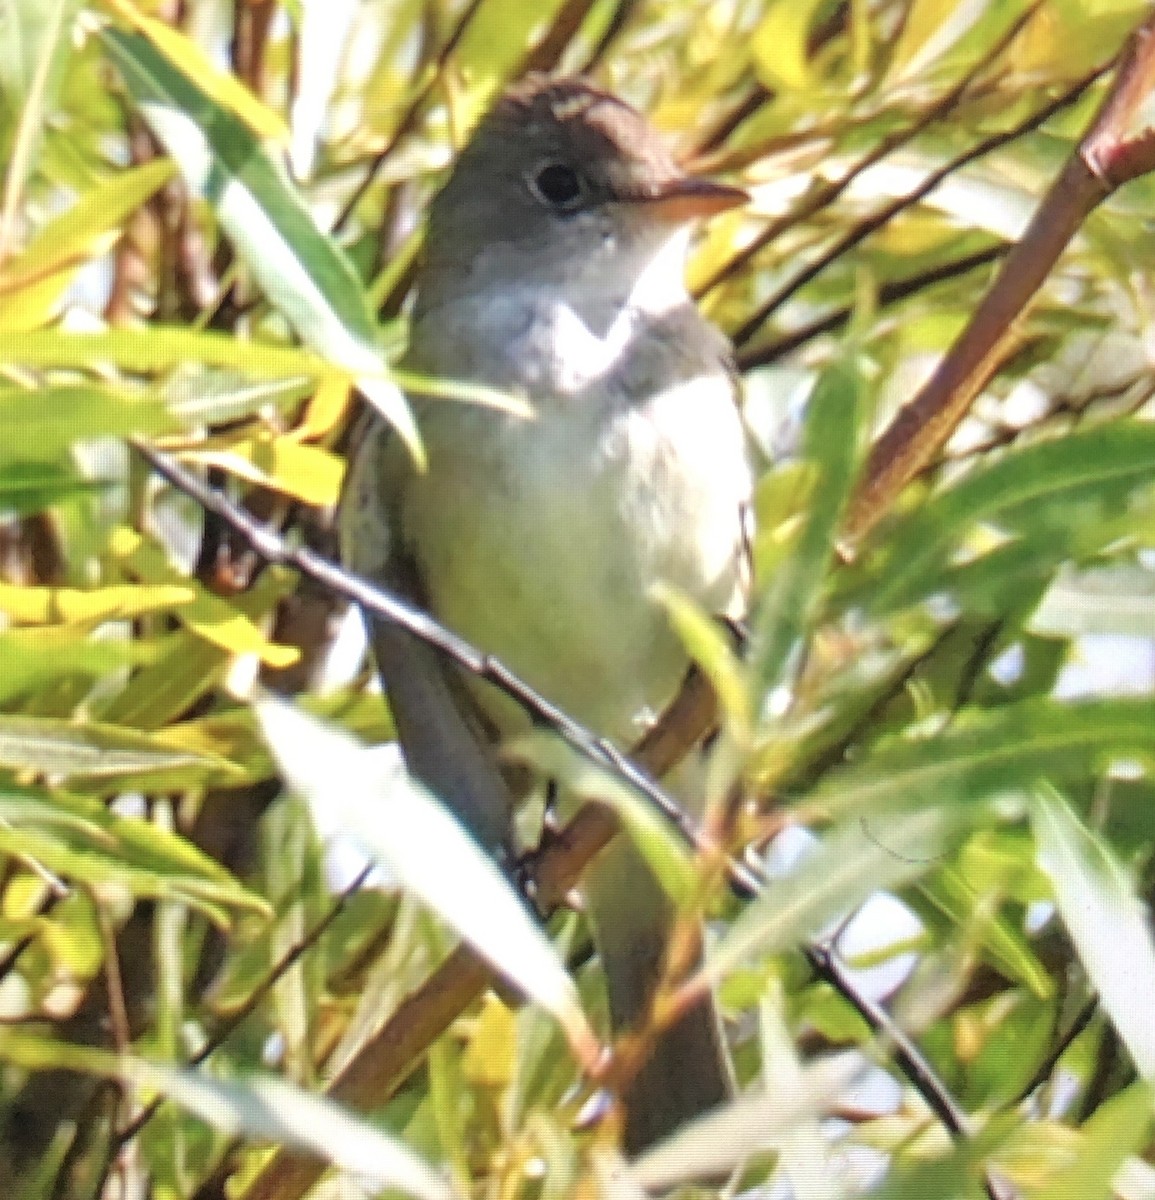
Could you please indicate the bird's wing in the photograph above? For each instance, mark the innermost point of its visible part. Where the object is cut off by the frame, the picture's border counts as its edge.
(437, 726)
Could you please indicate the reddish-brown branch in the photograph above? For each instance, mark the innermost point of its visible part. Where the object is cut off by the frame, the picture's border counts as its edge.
(1105, 158)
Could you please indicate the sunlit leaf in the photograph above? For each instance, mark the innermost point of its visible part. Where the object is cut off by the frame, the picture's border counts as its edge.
(712, 649)
(261, 1107)
(27, 488)
(851, 864)
(35, 43)
(298, 268)
(33, 283)
(83, 842)
(1107, 921)
(212, 617)
(37, 426)
(780, 45)
(759, 1120)
(66, 750)
(309, 473)
(352, 789)
(70, 606)
(223, 88)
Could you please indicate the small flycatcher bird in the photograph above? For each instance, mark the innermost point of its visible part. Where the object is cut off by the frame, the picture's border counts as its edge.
(553, 269)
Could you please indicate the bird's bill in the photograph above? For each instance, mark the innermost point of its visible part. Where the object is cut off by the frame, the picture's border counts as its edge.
(690, 199)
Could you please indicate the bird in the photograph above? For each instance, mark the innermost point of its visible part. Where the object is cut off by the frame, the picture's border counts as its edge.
(553, 270)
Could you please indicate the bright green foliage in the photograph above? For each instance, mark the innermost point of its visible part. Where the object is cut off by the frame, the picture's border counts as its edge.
(206, 236)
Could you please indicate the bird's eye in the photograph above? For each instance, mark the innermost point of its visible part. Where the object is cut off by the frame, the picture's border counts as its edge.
(559, 186)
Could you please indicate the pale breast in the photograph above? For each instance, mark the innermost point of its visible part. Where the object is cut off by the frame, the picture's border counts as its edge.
(541, 540)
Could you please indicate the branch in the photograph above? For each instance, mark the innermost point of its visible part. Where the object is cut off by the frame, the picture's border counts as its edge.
(1107, 157)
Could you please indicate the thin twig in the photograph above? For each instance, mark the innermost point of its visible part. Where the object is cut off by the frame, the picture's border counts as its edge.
(547, 51)
(233, 1022)
(857, 234)
(623, 11)
(888, 294)
(409, 120)
(826, 193)
(1082, 1019)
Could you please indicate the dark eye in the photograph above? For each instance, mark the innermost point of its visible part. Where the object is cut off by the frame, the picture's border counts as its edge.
(558, 185)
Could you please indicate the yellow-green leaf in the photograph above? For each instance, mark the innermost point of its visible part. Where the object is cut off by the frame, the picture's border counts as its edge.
(32, 284)
(73, 606)
(308, 473)
(780, 43)
(212, 617)
(225, 89)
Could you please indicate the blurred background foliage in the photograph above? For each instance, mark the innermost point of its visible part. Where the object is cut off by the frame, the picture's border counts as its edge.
(208, 221)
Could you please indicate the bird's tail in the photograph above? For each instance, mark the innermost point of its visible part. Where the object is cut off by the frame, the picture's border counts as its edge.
(688, 1070)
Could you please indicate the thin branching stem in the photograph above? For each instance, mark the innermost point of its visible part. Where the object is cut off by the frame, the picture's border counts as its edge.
(859, 232)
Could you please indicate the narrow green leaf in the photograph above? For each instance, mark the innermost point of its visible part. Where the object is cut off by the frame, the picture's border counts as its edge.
(40, 425)
(712, 649)
(82, 841)
(851, 864)
(33, 283)
(1001, 940)
(35, 658)
(1001, 750)
(184, 668)
(808, 1161)
(224, 88)
(789, 599)
(299, 269)
(1107, 921)
(159, 349)
(1084, 465)
(66, 750)
(260, 1107)
(35, 44)
(402, 827)
(759, 1120)
(27, 488)
(1120, 1127)
(71, 606)
(270, 1109)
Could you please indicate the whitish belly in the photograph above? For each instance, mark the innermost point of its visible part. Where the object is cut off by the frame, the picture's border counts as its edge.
(541, 542)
